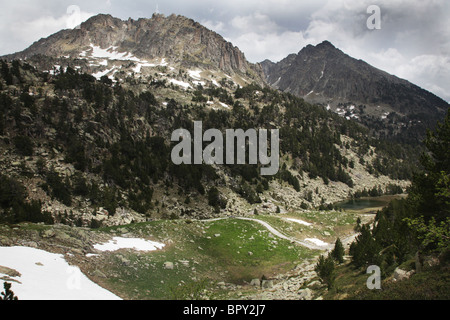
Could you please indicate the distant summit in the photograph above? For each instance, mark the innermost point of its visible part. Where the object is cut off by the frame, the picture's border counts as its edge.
(324, 74)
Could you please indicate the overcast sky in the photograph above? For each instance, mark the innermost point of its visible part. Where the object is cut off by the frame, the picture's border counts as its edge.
(413, 42)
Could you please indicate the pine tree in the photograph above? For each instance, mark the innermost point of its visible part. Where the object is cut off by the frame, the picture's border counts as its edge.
(357, 227)
(213, 197)
(338, 251)
(429, 194)
(325, 270)
(429, 191)
(365, 250)
(7, 294)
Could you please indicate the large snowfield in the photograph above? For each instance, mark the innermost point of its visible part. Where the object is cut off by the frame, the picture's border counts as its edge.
(48, 276)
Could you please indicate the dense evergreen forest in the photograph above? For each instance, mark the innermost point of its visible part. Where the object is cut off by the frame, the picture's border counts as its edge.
(121, 136)
(413, 232)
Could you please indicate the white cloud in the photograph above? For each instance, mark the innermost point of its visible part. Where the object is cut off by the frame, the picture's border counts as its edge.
(260, 38)
(271, 46)
(26, 31)
(256, 22)
(216, 26)
(431, 72)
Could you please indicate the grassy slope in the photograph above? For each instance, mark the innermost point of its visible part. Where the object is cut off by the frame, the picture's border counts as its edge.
(230, 251)
(217, 251)
(326, 226)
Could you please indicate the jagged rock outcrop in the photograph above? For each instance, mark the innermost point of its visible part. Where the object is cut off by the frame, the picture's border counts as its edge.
(176, 39)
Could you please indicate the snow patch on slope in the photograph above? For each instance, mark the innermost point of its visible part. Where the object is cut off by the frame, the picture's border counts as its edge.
(137, 244)
(299, 221)
(182, 84)
(47, 276)
(317, 242)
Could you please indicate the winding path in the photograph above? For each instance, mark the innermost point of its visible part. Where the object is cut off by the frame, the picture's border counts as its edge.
(277, 233)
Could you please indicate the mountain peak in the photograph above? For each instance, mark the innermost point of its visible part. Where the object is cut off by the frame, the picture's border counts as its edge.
(103, 19)
(100, 16)
(175, 39)
(323, 46)
(326, 44)
(324, 74)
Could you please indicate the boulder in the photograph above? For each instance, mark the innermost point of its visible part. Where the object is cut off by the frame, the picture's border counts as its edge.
(267, 284)
(5, 242)
(184, 262)
(430, 262)
(315, 284)
(124, 260)
(75, 251)
(400, 274)
(305, 294)
(9, 272)
(97, 273)
(168, 265)
(255, 283)
(101, 217)
(48, 234)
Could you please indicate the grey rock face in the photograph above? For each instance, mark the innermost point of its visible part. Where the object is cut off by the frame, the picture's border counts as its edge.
(175, 38)
(325, 74)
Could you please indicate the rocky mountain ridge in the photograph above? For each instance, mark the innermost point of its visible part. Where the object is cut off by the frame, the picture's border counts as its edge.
(352, 88)
(94, 152)
(181, 51)
(105, 45)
